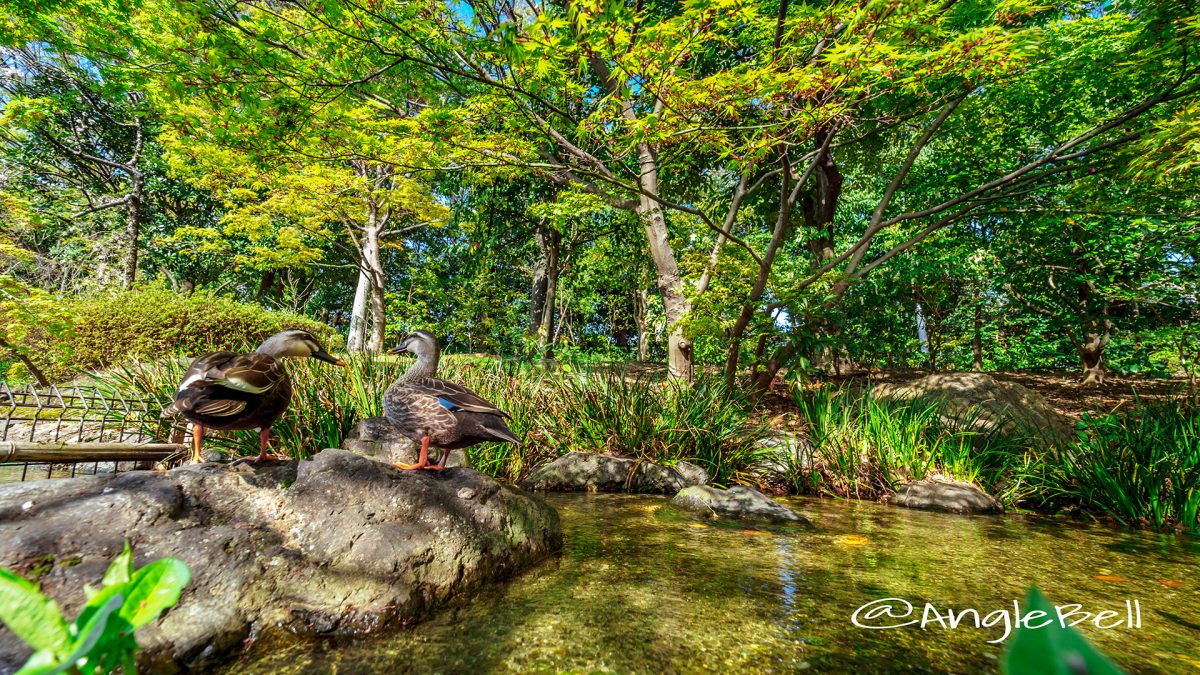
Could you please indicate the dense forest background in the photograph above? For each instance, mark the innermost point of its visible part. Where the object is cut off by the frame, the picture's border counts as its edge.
(738, 186)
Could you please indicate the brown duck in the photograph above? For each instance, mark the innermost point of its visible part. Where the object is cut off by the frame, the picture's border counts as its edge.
(230, 391)
(435, 412)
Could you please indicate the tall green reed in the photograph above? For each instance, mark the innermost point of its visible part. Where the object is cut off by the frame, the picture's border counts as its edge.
(864, 447)
(1140, 466)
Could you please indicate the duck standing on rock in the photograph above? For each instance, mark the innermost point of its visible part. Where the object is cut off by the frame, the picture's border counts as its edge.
(230, 391)
(436, 412)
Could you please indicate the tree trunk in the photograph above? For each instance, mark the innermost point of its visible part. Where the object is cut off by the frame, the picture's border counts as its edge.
(1091, 358)
(546, 327)
(373, 263)
(977, 341)
(133, 230)
(537, 294)
(265, 285)
(550, 241)
(680, 361)
(25, 360)
(818, 209)
(923, 337)
(356, 341)
(641, 303)
(750, 306)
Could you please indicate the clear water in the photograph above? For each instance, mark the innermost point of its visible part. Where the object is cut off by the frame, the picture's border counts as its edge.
(642, 588)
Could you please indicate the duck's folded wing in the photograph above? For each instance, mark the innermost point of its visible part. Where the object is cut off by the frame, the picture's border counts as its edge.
(199, 400)
(454, 397)
(219, 408)
(248, 373)
(199, 374)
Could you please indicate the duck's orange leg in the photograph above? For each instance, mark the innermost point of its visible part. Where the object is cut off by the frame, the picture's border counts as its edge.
(264, 440)
(422, 459)
(197, 439)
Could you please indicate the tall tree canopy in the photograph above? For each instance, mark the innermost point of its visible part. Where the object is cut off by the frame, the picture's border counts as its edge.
(754, 165)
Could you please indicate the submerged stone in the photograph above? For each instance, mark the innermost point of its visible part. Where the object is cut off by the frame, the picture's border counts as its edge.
(739, 502)
(336, 545)
(588, 472)
(946, 496)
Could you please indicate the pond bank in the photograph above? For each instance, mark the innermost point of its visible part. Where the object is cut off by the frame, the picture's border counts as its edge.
(642, 588)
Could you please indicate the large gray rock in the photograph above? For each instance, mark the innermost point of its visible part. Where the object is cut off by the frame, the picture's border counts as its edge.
(588, 472)
(739, 501)
(337, 545)
(375, 437)
(986, 401)
(946, 496)
(783, 455)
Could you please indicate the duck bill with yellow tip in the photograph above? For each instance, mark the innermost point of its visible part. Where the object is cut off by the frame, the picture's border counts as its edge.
(325, 356)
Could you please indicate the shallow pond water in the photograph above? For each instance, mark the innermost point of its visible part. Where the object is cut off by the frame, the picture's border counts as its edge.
(642, 588)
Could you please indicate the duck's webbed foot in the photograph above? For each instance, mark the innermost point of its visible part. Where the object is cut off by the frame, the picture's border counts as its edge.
(260, 458)
(423, 459)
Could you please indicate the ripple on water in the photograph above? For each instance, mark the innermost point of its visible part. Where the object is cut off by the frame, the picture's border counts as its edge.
(640, 588)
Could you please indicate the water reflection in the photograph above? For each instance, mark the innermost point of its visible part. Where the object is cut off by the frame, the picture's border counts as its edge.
(643, 588)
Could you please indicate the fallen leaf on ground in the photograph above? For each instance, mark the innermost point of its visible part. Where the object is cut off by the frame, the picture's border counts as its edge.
(851, 540)
(698, 526)
(753, 532)
(1171, 584)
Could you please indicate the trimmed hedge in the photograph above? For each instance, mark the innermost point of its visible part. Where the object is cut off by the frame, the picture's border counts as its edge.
(150, 323)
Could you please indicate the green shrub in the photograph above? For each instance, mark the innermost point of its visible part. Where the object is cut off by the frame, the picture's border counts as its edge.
(152, 323)
(101, 639)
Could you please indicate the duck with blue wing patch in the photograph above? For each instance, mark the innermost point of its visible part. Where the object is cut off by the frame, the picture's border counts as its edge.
(230, 391)
(439, 413)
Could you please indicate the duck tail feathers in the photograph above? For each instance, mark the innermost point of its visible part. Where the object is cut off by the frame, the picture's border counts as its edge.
(501, 432)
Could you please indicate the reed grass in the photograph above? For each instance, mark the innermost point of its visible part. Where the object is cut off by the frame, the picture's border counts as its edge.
(865, 448)
(1141, 466)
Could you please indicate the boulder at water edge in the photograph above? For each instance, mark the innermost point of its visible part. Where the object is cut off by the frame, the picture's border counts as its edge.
(582, 471)
(739, 501)
(379, 439)
(946, 496)
(340, 544)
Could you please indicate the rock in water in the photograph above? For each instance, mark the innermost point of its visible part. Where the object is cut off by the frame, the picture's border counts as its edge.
(979, 397)
(340, 544)
(588, 472)
(739, 501)
(946, 496)
(377, 438)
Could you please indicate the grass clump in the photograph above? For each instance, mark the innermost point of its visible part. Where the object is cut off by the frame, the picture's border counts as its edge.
(1140, 466)
(865, 448)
